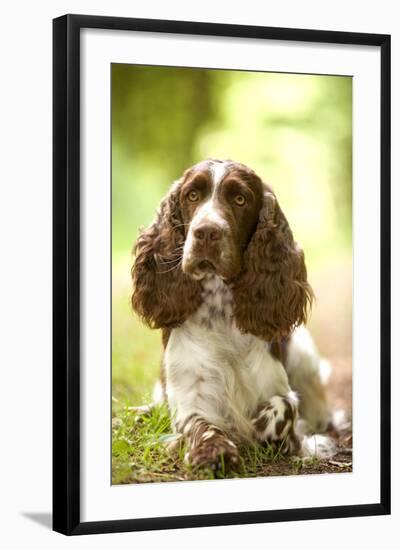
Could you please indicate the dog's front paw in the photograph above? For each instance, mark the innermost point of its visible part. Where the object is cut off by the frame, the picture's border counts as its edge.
(214, 450)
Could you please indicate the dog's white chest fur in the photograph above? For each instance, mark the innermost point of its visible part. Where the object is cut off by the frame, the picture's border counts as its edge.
(214, 370)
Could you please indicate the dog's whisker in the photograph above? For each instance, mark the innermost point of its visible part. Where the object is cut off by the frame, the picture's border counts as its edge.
(172, 257)
(167, 259)
(182, 225)
(169, 270)
(164, 262)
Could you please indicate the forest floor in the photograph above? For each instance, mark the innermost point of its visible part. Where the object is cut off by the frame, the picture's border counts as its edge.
(139, 444)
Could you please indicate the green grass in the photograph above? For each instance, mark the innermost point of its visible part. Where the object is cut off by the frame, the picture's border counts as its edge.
(140, 452)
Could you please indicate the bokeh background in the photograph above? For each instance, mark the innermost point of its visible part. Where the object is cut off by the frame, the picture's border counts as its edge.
(294, 130)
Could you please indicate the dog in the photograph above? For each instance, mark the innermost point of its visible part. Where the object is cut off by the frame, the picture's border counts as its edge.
(220, 274)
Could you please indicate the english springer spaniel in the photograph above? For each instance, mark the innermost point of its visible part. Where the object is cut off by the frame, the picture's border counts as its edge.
(219, 272)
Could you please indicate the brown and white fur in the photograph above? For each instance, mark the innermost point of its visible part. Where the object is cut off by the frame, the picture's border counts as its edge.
(219, 272)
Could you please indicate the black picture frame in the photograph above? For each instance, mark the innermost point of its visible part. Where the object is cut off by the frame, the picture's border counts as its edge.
(66, 273)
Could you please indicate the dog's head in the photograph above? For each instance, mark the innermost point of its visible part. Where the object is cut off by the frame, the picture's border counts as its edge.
(220, 204)
(220, 218)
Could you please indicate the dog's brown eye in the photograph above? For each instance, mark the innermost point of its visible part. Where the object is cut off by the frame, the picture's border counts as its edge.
(193, 196)
(239, 200)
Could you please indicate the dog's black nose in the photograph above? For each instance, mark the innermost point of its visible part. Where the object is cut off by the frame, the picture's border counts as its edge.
(208, 232)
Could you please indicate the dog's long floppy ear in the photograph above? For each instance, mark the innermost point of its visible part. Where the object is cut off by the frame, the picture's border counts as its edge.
(163, 295)
(271, 294)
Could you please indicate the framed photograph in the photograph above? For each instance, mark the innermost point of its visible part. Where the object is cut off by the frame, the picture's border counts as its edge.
(221, 274)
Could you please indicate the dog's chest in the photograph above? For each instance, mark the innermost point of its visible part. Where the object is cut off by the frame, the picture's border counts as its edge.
(213, 323)
(216, 312)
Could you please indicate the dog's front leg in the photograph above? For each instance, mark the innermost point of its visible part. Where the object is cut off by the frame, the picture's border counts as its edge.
(194, 386)
(207, 445)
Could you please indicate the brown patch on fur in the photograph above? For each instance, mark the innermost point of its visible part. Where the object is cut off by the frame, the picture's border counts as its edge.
(279, 350)
(276, 350)
(294, 442)
(165, 334)
(261, 423)
(265, 406)
(279, 426)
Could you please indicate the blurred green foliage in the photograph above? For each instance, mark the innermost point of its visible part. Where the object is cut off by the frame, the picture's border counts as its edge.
(294, 130)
